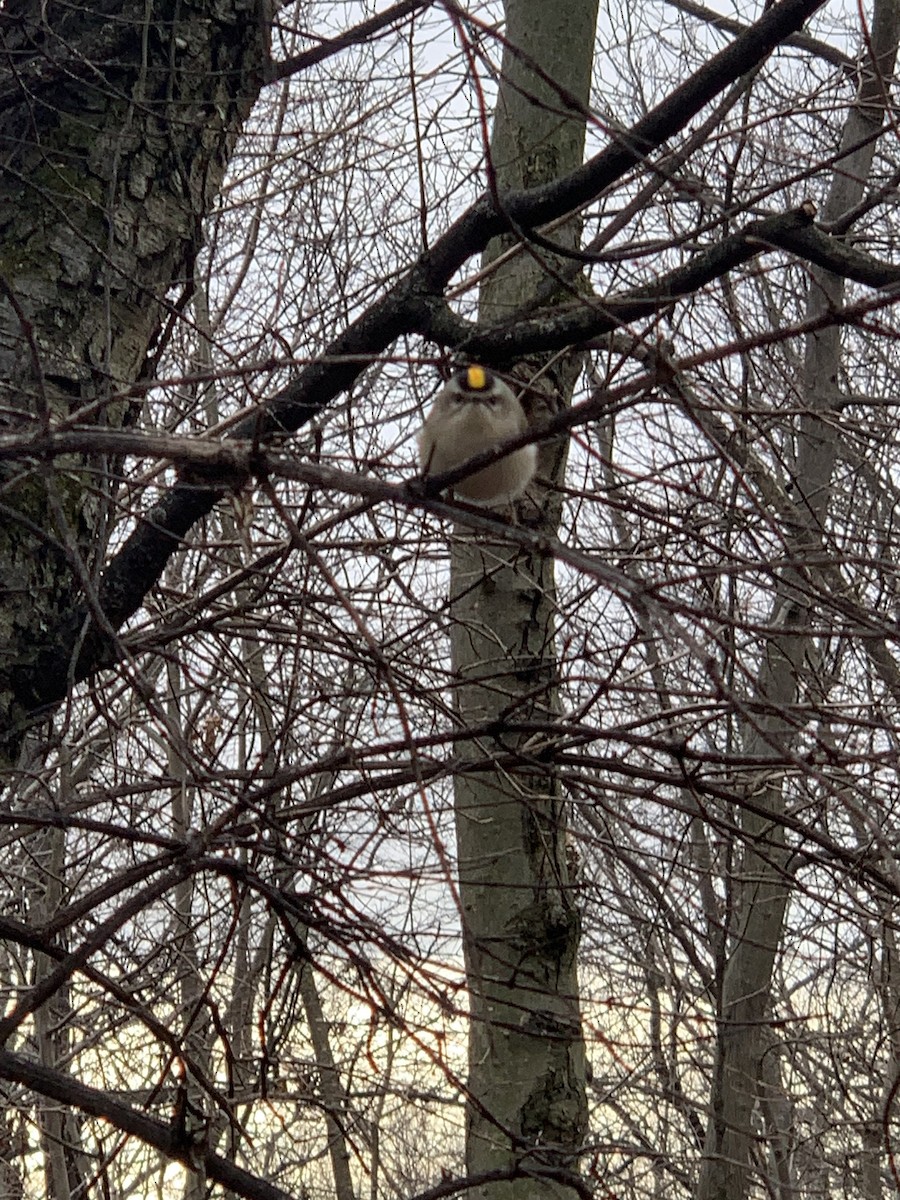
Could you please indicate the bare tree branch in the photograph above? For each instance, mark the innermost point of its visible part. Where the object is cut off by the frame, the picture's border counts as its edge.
(164, 1138)
(362, 32)
(802, 41)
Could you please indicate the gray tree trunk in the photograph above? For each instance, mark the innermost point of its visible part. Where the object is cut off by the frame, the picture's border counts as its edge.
(116, 122)
(66, 1167)
(761, 886)
(521, 923)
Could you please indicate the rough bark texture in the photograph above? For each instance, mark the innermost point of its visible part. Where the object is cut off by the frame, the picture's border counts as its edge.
(521, 923)
(761, 886)
(116, 125)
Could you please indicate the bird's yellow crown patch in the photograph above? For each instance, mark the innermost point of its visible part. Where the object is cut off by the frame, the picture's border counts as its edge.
(476, 378)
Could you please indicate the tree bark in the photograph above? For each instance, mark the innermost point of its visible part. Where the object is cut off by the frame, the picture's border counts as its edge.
(116, 124)
(520, 920)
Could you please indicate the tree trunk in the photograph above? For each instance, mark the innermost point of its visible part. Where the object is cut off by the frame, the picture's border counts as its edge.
(117, 122)
(761, 887)
(521, 924)
(65, 1165)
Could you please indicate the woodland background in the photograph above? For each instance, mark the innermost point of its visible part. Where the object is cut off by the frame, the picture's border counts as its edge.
(358, 844)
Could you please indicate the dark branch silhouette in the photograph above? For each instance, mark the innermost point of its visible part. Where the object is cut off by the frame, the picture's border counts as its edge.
(167, 1139)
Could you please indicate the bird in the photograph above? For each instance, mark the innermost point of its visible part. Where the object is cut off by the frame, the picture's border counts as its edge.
(473, 412)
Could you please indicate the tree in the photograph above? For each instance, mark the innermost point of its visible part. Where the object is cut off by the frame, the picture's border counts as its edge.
(240, 933)
(520, 922)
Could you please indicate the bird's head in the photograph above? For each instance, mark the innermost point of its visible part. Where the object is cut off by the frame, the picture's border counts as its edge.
(476, 384)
